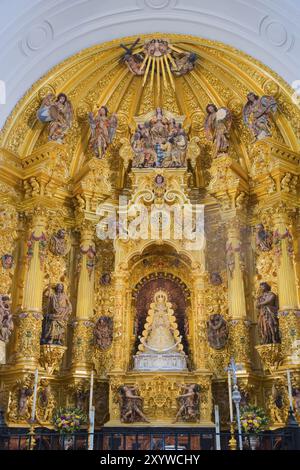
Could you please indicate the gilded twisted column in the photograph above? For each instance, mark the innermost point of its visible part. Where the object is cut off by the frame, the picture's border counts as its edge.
(120, 325)
(199, 322)
(29, 319)
(239, 325)
(289, 314)
(83, 326)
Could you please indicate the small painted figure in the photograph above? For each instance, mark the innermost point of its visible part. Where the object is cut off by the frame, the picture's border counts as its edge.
(105, 279)
(103, 332)
(264, 238)
(7, 261)
(217, 331)
(6, 321)
(58, 244)
(216, 279)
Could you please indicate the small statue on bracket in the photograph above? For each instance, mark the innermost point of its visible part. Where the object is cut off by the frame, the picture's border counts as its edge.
(256, 114)
(131, 405)
(58, 244)
(57, 309)
(103, 332)
(268, 324)
(264, 238)
(6, 321)
(216, 279)
(7, 261)
(189, 403)
(217, 331)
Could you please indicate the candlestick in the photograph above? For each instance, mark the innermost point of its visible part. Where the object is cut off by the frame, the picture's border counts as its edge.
(91, 390)
(288, 373)
(36, 378)
(230, 396)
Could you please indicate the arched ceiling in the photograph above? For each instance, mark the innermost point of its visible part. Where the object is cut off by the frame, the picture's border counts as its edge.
(37, 34)
(97, 76)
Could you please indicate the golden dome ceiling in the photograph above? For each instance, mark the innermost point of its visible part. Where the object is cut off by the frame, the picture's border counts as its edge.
(98, 76)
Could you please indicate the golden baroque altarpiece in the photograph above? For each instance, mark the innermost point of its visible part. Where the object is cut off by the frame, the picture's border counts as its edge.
(58, 165)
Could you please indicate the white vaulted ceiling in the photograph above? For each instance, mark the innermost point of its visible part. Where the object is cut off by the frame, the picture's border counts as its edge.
(35, 35)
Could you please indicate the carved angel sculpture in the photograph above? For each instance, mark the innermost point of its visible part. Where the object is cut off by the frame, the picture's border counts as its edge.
(58, 112)
(189, 403)
(184, 63)
(131, 405)
(256, 114)
(103, 130)
(217, 128)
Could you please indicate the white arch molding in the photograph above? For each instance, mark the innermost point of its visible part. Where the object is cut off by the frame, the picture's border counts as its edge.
(38, 34)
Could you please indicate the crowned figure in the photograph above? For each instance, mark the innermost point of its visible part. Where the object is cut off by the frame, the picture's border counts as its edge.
(160, 344)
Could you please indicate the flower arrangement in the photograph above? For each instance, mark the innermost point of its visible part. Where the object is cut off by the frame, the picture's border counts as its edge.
(253, 419)
(69, 420)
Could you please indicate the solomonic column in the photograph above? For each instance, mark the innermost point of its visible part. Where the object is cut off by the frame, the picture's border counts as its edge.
(120, 327)
(83, 326)
(239, 325)
(29, 319)
(199, 327)
(289, 314)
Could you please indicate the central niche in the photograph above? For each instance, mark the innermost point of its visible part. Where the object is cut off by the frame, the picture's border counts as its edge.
(177, 295)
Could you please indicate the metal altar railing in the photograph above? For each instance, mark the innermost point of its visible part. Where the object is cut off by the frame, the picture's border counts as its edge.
(146, 439)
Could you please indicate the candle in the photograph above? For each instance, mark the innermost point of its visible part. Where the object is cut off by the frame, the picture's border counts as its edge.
(288, 373)
(230, 396)
(36, 378)
(91, 390)
(217, 422)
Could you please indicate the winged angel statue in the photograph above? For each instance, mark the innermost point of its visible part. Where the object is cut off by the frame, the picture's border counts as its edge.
(58, 112)
(217, 128)
(256, 114)
(103, 130)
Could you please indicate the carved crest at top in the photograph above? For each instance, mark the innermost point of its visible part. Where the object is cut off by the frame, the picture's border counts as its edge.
(158, 57)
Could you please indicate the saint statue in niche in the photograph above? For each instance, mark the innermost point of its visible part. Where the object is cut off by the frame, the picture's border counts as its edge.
(268, 324)
(160, 346)
(57, 309)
